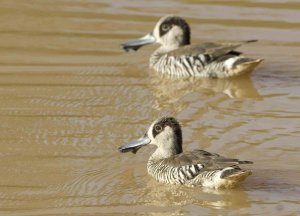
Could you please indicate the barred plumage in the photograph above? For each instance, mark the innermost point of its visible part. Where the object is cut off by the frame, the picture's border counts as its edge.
(184, 66)
(176, 57)
(172, 175)
(195, 66)
(168, 164)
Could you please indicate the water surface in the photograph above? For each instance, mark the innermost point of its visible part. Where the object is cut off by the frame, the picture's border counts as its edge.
(69, 96)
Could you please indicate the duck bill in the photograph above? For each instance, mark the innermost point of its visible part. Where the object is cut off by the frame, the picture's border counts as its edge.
(134, 146)
(136, 44)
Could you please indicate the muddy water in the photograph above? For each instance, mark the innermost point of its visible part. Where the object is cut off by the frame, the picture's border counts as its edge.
(69, 97)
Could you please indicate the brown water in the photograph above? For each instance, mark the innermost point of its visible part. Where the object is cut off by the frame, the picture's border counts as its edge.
(69, 97)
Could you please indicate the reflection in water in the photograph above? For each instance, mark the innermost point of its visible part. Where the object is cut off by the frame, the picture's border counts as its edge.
(168, 195)
(168, 91)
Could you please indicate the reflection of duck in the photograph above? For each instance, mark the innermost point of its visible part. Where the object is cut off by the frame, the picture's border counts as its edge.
(172, 196)
(176, 57)
(168, 164)
(170, 91)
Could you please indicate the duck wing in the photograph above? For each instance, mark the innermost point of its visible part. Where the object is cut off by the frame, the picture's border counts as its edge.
(210, 49)
(203, 160)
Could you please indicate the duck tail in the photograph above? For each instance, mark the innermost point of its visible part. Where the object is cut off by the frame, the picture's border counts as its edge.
(237, 175)
(241, 65)
(231, 177)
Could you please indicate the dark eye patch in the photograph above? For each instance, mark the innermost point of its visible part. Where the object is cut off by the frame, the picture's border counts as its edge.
(165, 27)
(166, 121)
(157, 128)
(169, 22)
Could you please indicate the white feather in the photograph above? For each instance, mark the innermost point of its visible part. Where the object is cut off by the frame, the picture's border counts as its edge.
(230, 62)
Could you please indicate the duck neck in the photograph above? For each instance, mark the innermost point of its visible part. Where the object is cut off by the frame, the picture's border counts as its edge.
(159, 54)
(166, 152)
(165, 49)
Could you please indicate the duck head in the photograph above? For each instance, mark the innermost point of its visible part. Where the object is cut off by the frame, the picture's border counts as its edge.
(165, 133)
(170, 32)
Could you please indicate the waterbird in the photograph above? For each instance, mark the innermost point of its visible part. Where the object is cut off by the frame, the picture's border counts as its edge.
(176, 57)
(170, 165)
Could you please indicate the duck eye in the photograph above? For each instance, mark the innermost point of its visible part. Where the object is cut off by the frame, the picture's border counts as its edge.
(165, 27)
(158, 128)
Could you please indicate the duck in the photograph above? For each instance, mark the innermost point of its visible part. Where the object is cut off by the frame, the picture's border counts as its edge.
(176, 57)
(170, 165)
